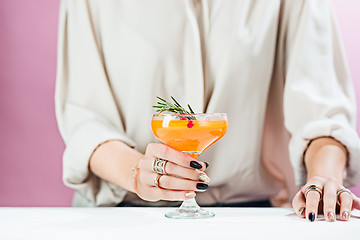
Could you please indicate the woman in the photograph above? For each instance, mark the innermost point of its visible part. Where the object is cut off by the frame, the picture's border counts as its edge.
(277, 68)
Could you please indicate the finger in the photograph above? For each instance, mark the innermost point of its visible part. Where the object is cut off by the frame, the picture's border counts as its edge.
(312, 204)
(346, 201)
(179, 171)
(171, 195)
(155, 194)
(174, 169)
(312, 201)
(356, 202)
(329, 201)
(173, 183)
(152, 193)
(170, 154)
(298, 204)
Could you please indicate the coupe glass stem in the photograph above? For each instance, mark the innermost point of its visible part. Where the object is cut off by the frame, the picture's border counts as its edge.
(189, 205)
(189, 208)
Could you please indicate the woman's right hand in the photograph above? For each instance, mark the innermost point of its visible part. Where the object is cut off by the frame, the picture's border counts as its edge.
(184, 175)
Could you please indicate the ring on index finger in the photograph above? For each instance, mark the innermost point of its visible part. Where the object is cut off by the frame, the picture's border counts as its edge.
(158, 165)
(340, 191)
(313, 187)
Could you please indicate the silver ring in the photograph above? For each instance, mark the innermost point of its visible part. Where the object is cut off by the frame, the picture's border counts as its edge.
(339, 192)
(158, 165)
(313, 188)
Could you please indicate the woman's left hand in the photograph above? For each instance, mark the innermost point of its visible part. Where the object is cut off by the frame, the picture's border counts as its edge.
(324, 195)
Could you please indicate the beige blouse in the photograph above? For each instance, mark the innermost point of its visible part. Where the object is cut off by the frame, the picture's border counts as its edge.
(276, 67)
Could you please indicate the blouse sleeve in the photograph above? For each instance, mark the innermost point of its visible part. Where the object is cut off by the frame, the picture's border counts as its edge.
(319, 98)
(86, 112)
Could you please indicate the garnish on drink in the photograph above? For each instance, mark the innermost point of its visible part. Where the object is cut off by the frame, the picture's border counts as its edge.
(165, 106)
(190, 133)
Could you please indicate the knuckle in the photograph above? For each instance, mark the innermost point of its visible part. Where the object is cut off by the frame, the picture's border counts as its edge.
(149, 147)
(152, 147)
(317, 179)
(163, 151)
(333, 181)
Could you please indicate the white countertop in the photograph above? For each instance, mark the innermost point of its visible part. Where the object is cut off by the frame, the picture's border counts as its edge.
(150, 223)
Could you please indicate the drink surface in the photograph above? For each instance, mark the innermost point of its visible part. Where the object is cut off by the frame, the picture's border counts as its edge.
(189, 135)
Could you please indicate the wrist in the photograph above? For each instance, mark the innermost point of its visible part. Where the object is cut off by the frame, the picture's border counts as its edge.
(113, 161)
(326, 157)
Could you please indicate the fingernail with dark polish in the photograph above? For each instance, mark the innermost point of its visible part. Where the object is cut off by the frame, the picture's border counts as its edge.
(196, 165)
(312, 217)
(207, 165)
(202, 186)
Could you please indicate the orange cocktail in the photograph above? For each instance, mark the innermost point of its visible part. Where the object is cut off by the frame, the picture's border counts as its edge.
(190, 136)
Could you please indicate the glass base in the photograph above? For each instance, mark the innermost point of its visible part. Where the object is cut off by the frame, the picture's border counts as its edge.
(189, 209)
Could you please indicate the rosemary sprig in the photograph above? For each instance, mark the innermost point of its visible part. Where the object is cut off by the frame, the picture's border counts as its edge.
(165, 106)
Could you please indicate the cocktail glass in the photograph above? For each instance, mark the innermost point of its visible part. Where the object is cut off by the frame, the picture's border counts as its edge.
(190, 134)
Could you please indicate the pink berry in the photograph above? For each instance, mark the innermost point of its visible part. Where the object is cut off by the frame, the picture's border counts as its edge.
(190, 124)
(183, 118)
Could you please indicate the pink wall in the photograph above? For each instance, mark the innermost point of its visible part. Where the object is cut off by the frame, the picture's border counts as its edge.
(347, 12)
(30, 145)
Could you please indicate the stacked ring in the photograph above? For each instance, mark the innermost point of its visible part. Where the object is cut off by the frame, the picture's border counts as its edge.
(158, 165)
(340, 191)
(313, 188)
